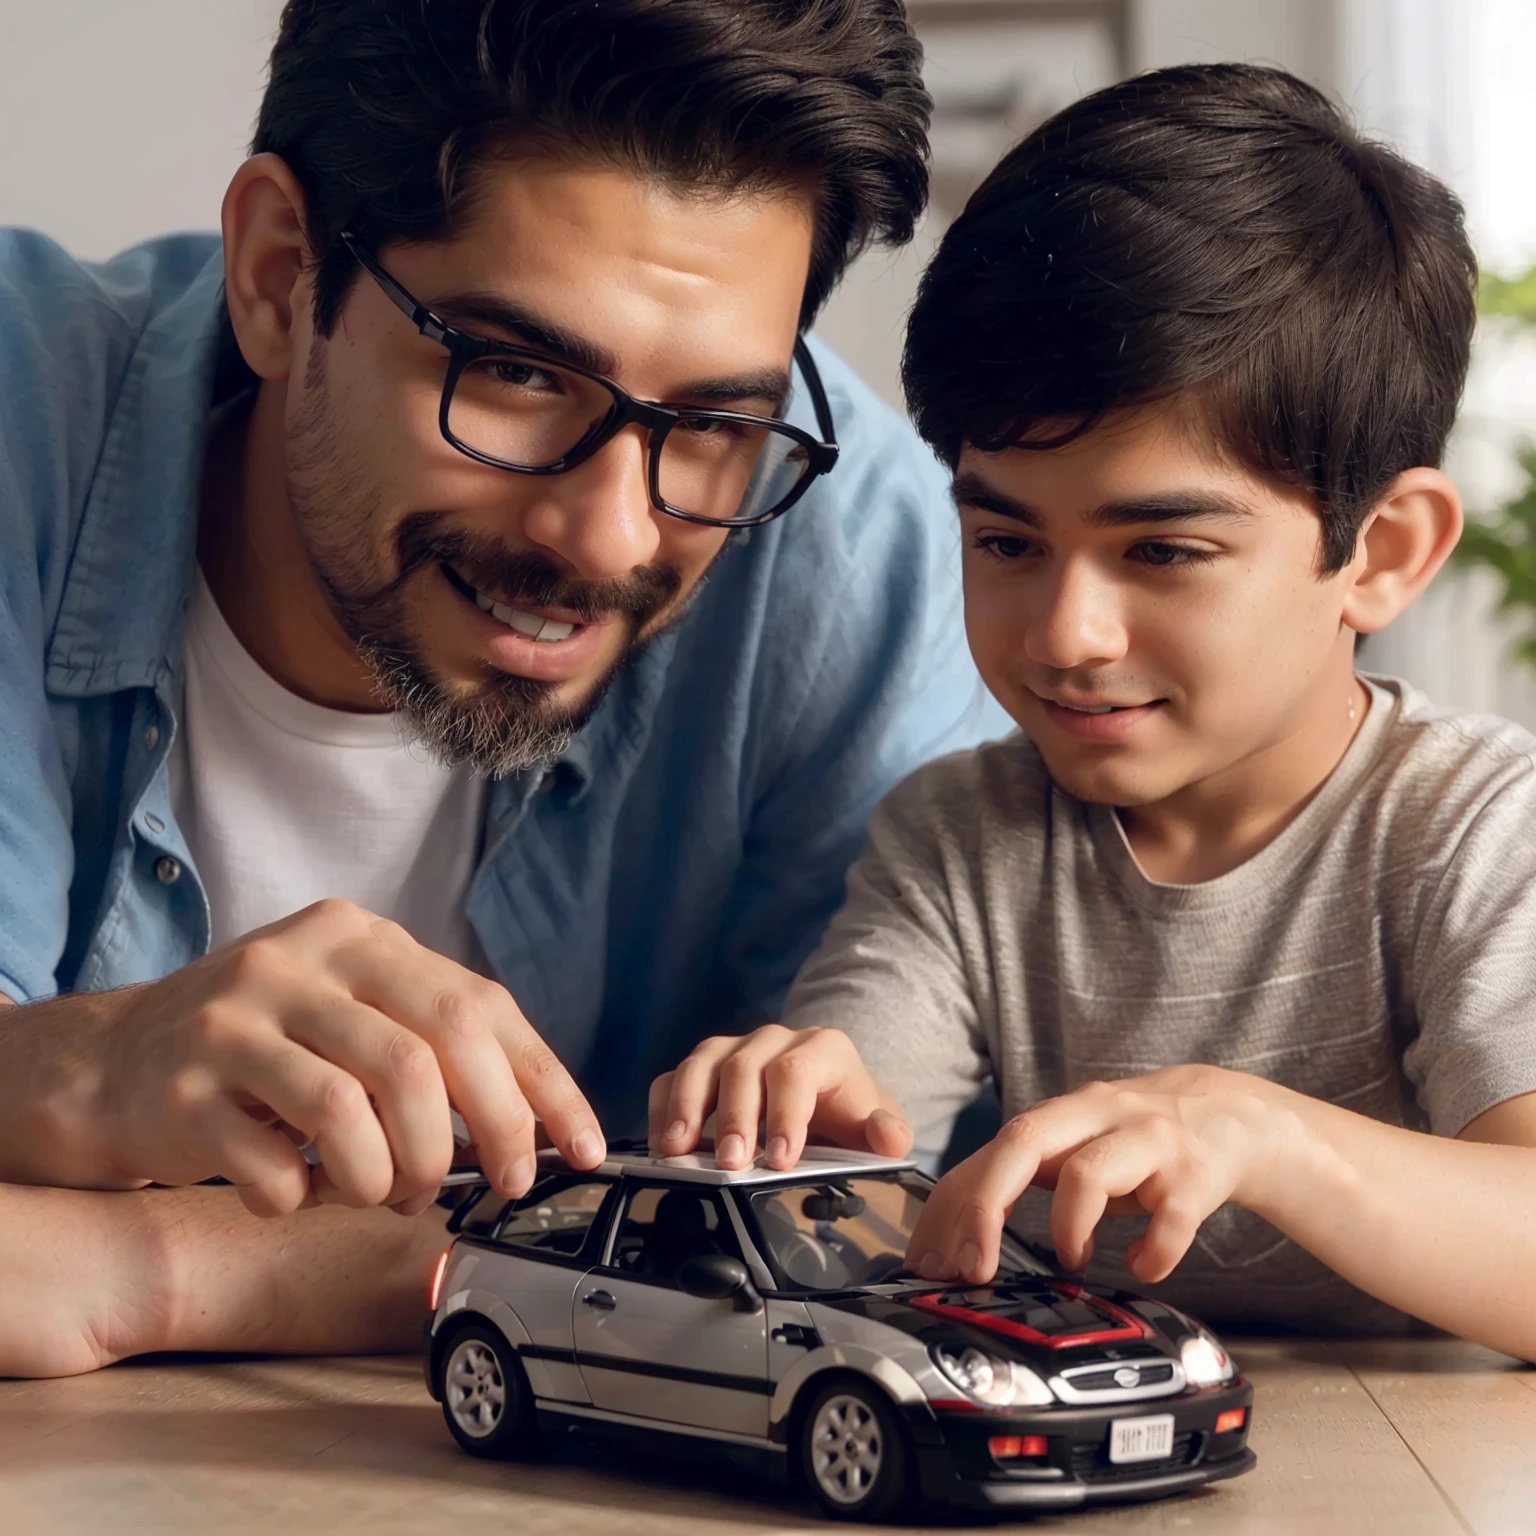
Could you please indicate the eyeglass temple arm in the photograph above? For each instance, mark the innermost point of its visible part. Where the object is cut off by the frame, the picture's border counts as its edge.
(818, 391)
(419, 315)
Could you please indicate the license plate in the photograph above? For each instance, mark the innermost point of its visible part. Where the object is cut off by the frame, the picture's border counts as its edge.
(1149, 1439)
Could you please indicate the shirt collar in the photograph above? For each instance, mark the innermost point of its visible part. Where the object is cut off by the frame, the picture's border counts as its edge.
(125, 601)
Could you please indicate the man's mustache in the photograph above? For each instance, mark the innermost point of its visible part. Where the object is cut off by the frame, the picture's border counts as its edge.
(524, 577)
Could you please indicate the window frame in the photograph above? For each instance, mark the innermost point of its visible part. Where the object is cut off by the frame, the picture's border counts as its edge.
(593, 1242)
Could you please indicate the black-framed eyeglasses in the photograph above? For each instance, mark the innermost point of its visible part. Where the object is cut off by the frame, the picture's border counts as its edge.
(517, 409)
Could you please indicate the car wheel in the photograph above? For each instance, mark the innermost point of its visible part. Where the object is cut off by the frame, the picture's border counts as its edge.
(485, 1393)
(854, 1452)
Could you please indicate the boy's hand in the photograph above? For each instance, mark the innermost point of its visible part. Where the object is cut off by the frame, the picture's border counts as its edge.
(801, 1083)
(1174, 1144)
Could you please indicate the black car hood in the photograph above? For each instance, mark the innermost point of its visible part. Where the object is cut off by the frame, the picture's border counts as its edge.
(1043, 1321)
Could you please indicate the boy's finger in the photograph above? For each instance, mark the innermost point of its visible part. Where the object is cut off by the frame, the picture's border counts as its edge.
(1105, 1167)
(691, 1101)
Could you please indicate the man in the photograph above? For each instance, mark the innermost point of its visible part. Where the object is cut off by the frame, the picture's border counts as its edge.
(381, 579)
(1242, 934)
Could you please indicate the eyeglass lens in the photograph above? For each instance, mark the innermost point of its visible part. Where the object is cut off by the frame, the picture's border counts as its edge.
(530, 415)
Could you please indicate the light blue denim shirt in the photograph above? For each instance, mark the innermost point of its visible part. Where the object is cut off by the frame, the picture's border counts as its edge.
(681, 860)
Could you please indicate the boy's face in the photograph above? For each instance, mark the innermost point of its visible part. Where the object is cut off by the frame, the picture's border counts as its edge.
(1138, 568)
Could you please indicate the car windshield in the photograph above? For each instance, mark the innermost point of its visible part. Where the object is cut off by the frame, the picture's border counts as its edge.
(835, 1233)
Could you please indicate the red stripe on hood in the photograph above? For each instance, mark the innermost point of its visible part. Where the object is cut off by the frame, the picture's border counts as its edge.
(1127, 1326)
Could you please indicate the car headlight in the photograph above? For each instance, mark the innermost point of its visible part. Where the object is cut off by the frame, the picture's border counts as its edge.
(997, 1383)
(1206, 1363)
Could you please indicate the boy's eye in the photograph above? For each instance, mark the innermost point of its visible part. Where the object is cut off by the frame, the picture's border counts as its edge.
(1001, 546)
(1155, 552)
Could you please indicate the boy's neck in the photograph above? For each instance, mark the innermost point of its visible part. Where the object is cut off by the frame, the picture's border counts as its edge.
(1210, 828)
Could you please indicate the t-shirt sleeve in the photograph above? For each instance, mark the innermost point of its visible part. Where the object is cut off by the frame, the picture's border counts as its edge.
(1474, 965)
(891, 970)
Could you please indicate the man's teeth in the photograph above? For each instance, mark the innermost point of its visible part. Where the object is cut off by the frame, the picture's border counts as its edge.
(530, 624)
(1095, 709)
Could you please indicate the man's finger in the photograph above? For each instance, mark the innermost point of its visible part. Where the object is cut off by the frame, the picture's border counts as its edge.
(691, 1101)
(400, 1071)
(325, 1102)
(739, 1097)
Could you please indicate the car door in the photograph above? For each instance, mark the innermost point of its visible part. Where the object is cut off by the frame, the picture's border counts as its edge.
(644, 1346)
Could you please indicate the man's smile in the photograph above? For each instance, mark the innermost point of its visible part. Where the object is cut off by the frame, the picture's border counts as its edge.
(1096, 719)
(543, 644)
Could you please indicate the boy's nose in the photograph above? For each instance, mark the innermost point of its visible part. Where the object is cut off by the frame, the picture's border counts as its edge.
(1079, 624)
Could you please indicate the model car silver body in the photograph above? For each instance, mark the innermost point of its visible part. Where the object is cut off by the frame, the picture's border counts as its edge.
(584, 1280)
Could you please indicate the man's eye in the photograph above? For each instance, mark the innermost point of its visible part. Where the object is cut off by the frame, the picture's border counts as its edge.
(523, 375)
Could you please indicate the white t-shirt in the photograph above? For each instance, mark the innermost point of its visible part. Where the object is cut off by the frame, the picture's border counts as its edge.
(283, 802)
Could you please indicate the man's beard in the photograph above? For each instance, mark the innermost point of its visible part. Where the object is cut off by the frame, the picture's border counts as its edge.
(505, 724)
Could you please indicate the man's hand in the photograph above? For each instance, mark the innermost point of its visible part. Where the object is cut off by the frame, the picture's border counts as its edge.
(1174, 1144)
(799, 1083)
(332, 1026)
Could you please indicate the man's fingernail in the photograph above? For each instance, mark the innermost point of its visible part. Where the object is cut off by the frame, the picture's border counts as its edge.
(676, 1131)
(520, 1176)
(588, 1147)
(778, 1149)
(970, 1257)
(934, 1266)
(732, 1149)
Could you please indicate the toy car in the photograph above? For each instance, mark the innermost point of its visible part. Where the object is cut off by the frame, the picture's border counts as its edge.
(767, 1313)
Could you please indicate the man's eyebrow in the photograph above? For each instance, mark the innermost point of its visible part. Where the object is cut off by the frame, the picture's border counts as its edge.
(770, 386)
(970, 490)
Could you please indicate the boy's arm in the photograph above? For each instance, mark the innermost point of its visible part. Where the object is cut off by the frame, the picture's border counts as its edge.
(880, 1021)
(1442, 1229)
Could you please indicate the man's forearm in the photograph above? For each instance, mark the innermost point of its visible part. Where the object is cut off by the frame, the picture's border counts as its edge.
(50, 1110)
(1444, 1230)
(89, 1278)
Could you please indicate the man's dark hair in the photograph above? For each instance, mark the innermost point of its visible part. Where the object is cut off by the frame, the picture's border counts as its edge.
(385, 109)
(1219, 232)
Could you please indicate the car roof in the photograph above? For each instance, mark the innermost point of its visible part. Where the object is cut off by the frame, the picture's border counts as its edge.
(699, 1167)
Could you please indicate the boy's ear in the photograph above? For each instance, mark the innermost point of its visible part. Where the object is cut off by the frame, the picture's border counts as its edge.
(266, 263)
(1403, 543)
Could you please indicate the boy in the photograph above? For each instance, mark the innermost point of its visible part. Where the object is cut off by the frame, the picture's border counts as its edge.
(1244, 937)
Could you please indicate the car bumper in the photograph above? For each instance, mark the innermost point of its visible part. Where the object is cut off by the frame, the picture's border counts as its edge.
(960, 1469)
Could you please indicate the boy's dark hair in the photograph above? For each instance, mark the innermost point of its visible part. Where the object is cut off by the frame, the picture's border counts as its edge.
(1219, 231)
(384, 109)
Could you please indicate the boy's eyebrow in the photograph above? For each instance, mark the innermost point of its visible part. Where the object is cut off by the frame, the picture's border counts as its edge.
(768, 385)
(970, 490)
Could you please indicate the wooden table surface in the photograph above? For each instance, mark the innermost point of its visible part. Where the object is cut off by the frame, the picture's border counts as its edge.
(1406, 1438)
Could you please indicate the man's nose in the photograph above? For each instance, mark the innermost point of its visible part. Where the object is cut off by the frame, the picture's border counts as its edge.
(597, 519)
(1079, 621)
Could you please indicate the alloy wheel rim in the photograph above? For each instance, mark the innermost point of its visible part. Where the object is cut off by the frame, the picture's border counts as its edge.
(847, 1449)
(475, 1389)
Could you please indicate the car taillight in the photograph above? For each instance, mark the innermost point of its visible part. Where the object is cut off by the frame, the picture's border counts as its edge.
(437, 1279)
(1231, 1419)
(1011, 1447)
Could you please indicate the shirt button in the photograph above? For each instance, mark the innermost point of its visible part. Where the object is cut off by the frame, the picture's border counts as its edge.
(167, 870)
(152, 737)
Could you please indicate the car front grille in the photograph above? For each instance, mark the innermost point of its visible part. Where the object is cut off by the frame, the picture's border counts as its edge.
(1149, 1375)
(1091, 1463)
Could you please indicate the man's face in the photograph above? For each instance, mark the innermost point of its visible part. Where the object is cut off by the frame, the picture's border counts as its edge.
(1149, 612)
(683, 298)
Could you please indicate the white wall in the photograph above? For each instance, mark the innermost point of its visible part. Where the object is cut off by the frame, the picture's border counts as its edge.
(122, 119)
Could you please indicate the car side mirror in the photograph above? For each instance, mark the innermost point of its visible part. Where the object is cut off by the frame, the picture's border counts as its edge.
(717, 1276)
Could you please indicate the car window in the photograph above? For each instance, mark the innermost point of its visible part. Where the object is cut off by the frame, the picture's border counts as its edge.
(555, 1219)
(837, 1233)
(663, 1225)
(479, 1215)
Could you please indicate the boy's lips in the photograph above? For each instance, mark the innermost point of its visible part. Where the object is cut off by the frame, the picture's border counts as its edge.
(1099, 720)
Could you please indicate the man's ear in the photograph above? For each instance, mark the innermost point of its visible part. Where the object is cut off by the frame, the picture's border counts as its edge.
(266, 265)
(1403, 543)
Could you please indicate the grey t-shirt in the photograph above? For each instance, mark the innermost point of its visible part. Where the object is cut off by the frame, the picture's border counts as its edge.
(1379, 954)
